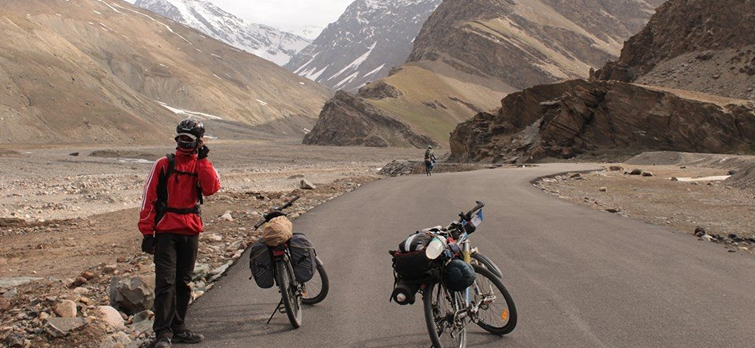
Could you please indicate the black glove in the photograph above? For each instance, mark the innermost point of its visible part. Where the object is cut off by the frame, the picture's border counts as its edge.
(148, 244)
(202, 152)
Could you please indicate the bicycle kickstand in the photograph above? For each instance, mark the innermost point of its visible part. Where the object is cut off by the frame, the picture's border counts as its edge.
(277, 308)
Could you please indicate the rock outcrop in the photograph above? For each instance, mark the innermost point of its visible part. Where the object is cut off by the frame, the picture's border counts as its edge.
(347, 120)
(602, 118)
(704, 45)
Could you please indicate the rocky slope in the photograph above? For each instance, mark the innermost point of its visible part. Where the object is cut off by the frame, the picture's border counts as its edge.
(261, 40)
(369, 39)
(348, 121)
(469, 54)
(611, 119)
(101, 71)
(705, 46)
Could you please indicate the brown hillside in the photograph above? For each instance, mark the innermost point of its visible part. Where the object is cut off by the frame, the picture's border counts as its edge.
(94, 71)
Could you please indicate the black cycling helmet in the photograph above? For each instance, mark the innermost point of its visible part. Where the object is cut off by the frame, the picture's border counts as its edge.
(191, 127)
(458, 275)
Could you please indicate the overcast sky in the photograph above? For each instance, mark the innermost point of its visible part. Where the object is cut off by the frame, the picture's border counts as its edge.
(285, 14)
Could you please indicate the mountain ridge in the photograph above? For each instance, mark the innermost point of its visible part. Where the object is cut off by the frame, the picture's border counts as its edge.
(261, 40)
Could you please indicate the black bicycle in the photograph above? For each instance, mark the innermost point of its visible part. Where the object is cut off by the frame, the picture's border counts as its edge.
(293, 293)
(486, 302)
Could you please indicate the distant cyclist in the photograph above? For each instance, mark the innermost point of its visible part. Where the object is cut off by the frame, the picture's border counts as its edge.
(429, 160)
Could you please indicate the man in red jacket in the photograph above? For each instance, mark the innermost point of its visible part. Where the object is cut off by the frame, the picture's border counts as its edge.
(170, 222)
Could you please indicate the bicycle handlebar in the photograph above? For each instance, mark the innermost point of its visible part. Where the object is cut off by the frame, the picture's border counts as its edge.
(267, 217)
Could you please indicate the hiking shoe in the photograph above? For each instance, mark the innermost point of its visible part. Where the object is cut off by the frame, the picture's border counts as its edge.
(187, 337)
(163, 343)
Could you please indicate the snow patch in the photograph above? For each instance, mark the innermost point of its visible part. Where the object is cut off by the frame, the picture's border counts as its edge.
(197, 114)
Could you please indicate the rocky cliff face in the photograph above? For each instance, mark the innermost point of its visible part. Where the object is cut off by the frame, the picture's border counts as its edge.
(349, 121)
(704, 45)
(602, 118)
(108, 72)
(369, 39)
(261, 40)
(526, 43)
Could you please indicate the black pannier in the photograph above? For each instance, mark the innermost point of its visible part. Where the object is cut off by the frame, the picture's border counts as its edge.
(261, 264)
(303, 257)
(410, 261)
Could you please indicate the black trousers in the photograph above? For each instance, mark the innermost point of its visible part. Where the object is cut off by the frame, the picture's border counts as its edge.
(175, 256)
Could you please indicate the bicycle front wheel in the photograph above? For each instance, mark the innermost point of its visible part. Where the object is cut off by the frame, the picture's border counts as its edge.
(289, 292)
(445, 316)
(497, 312)
(316, 288)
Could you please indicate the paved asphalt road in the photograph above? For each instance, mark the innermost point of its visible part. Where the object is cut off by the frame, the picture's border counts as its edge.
(579, 277)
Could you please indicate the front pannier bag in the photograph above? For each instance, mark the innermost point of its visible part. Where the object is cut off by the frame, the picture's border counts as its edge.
(261, 264)
(303, 257)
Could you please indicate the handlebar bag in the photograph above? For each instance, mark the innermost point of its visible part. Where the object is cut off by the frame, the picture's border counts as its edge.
(303, 257)
(277, 231)
(261, 265)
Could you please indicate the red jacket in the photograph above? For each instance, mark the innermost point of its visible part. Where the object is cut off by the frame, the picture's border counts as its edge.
(182, 194)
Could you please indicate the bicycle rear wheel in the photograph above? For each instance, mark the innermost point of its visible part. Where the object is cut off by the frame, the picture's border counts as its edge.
(316, 288)
(289, 292)
(443, 311)
(497, 312)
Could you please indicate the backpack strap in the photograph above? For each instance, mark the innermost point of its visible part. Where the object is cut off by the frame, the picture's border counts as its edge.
(162, 191)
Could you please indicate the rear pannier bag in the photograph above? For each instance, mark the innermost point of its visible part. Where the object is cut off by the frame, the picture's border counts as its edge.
(261, 264)
(410, 261)
(303, 257)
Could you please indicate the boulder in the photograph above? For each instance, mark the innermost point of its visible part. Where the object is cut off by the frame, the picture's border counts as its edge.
(132, 295)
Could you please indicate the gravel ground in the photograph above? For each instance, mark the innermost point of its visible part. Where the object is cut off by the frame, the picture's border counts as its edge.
(722, 210)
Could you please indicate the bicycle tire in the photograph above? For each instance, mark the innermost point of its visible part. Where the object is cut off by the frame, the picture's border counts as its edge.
(287, 285)
(433, 315)
(507, 315)
(311, 298)
(489, 265)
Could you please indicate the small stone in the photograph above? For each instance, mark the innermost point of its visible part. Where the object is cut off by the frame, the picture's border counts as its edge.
(614, 210)
(66, 309)
(79, 281)
(59, 327)
(699, 231)
(616, 168)
(603, 189)
(306, 185)
(110, 268)
(636, 172)
(647, 174)
(4, 304)
(111, 316)
(227, 216)
(81, 291)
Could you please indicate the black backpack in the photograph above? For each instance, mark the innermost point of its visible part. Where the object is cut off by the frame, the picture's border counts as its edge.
(162, 192)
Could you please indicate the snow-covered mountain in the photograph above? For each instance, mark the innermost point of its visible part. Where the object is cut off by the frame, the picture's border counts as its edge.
(261, 40)
(370, 38)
